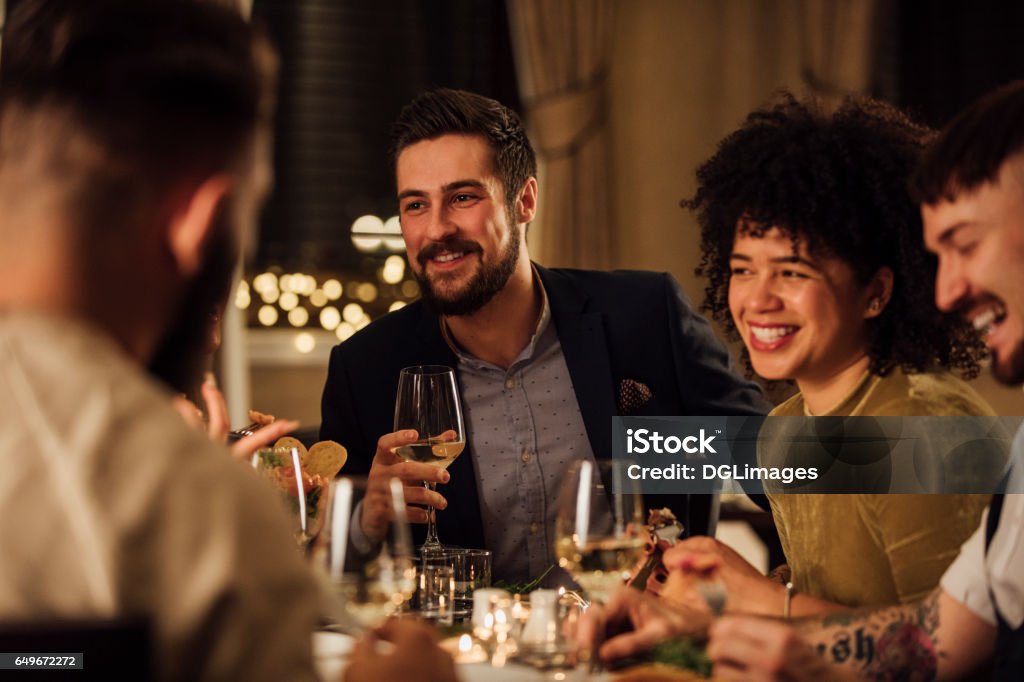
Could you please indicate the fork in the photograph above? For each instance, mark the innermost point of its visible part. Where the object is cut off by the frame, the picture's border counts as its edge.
(714, 594)
(239, 434)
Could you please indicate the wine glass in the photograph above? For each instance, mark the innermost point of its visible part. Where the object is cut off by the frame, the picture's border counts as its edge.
(365, 587)
(599, 530)
(302, 493)
(428, 402)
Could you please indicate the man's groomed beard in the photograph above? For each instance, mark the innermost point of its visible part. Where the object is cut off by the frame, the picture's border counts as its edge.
(487, 281)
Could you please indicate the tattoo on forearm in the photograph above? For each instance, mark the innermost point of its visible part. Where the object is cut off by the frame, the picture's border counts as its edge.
(898, 643)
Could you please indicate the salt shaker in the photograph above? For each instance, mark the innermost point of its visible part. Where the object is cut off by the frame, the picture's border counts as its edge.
(484, 601)
(540, 634)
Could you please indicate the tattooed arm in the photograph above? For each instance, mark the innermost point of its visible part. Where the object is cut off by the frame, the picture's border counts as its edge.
(936, 638)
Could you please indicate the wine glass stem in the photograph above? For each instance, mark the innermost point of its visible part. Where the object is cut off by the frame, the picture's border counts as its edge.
(431, 543)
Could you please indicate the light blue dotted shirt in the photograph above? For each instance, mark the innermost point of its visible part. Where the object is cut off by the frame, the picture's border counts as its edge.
(524, 428)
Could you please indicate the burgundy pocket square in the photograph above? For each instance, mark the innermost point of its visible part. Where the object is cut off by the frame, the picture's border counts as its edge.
(632, 396)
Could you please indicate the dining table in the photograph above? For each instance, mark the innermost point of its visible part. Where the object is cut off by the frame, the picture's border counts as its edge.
(331, 650)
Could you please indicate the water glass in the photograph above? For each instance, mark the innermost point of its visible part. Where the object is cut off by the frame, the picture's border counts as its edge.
(437, 593)
(472, 568)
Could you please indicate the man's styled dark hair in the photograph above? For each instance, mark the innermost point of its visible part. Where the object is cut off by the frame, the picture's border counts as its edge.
(837, 182)
(133, 97)
(457, 112)
(973, 147)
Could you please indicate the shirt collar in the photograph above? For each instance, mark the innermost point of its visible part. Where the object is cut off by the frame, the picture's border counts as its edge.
(528, 351)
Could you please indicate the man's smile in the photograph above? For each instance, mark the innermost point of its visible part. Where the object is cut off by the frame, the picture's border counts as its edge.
(987, 318)
(448, 260)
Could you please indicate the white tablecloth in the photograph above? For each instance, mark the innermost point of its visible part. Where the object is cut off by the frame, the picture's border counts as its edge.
(330, 651)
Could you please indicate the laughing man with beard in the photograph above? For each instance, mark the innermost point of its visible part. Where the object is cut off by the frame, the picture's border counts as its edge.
(544, 357)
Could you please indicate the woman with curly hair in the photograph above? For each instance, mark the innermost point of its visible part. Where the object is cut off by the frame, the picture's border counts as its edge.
(814, 254)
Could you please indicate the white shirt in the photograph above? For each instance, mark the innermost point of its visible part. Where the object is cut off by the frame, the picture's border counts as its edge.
(985, 581)
(111, 506)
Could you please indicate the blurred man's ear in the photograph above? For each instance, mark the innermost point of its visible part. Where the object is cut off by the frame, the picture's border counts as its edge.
(193, 219)
(526, 204)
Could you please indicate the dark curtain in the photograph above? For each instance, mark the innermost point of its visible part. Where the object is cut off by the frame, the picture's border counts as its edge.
(936, 57)
(348, 67)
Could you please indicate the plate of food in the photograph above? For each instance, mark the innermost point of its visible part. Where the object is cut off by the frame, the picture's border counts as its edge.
(675, 660)
(302, 476)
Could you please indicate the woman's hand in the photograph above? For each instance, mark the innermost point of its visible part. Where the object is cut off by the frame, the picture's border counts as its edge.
(216, 424)
(633, 622)
(702, 558)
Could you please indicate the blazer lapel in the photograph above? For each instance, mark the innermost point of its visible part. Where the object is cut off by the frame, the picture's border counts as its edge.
(584, 345)
(431, 343)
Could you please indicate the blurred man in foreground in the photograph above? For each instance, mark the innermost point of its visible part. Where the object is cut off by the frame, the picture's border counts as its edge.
(971, 188)
(134, 145)
(134, 156)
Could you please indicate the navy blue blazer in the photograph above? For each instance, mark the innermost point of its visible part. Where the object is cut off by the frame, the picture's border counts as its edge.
(612, 326)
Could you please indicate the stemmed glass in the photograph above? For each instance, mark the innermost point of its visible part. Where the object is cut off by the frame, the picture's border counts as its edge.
(303, 494)
(428, 402)
(367, 586)
(599, 530)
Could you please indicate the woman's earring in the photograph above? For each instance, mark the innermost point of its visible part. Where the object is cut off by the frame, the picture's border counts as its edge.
(874, 305)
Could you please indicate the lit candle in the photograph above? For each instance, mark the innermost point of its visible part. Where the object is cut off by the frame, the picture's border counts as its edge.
(469, 651)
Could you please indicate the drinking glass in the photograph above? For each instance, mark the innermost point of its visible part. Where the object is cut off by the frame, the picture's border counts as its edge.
(599, 530)
(366, 584)
(428, 402)
(436, 591)
(472, 572)
(303, 495)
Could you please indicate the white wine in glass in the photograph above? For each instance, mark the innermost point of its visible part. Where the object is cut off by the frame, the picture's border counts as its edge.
(428, 403)
(431, 451)
(599, 531)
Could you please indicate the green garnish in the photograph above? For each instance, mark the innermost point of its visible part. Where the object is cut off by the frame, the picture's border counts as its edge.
(683, 653)
(522, 588)
(270, 459)
(312, 500)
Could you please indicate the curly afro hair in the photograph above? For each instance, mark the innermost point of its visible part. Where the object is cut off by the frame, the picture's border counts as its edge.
(838, 184)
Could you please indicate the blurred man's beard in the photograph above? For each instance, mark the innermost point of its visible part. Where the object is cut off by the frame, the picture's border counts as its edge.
(1010, 371)
(181, 356)
(487, 281)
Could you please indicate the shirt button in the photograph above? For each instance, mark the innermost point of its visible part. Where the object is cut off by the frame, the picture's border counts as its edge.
(534, 528)
(510, 383)
(525, 457)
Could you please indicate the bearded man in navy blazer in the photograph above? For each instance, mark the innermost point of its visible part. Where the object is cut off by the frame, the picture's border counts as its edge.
(544, 357)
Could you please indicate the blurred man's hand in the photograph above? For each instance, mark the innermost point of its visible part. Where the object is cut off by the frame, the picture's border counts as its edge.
(415, 656)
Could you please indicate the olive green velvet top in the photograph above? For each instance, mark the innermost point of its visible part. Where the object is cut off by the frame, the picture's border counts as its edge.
(867, 550)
